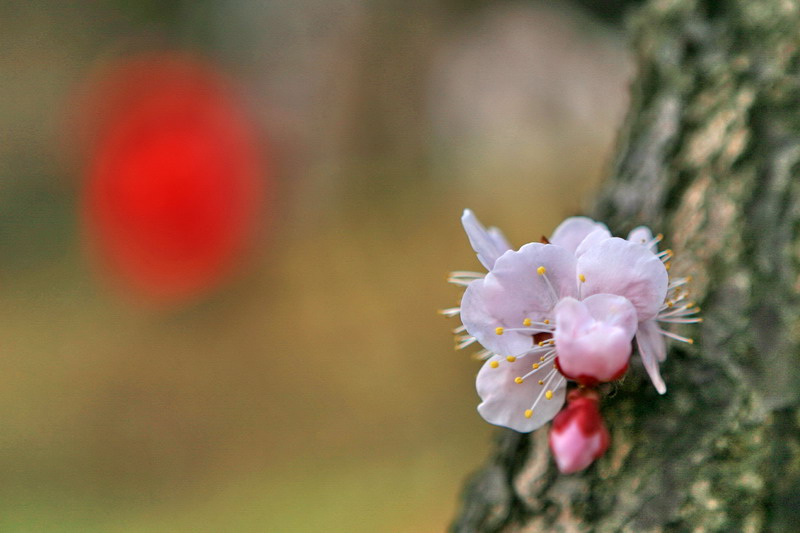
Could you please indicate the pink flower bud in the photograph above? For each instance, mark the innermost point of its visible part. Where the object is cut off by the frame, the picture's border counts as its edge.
(578, 435)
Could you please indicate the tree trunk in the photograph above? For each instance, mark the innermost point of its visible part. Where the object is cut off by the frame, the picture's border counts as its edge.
(707, 156)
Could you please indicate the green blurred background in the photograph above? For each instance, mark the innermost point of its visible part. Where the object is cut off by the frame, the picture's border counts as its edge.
(317, 390)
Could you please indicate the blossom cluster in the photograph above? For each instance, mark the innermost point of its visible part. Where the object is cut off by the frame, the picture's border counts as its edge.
(566, 309)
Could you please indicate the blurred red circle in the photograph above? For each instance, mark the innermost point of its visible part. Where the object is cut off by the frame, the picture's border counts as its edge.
(174, 177)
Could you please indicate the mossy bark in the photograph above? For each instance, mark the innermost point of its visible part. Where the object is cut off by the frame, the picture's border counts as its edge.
(710, 156)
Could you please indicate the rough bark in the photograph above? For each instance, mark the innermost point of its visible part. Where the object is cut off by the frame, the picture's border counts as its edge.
(708, 155)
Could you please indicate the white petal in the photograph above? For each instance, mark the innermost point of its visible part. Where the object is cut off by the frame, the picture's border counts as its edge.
(489, 245)
(514, 291)
(505, 401)
(499, 239)
(594, 238)
(573, 230)
(616, 266)
(642, 235)
(652, 349)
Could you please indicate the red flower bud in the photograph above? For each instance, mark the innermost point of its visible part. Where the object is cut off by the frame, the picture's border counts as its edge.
(578, 435)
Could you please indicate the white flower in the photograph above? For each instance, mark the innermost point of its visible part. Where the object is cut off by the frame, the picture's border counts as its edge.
(568, 307)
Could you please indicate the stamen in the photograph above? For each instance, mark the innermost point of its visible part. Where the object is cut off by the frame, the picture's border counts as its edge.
(528, 413)
(682, 311)
(459, 329)
(537, 367)
(511, 358)
(548, 395)
(464, 343)
(680, 281)
(665, 255)
(498, 330)
(494, 364)
(527, 322)
(518, 380)
(483, 355)
(549, 378)
(655, 240)
(540, 327)
(464, 275)
(694, 320)
(451, 311)
(542, 271)
(676, 336)
(582, 279)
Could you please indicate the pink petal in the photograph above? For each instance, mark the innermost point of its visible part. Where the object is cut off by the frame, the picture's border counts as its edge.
(573, 230)
(593, 338)
(613, 310)
(488, 244)
(616, 266)
(652, 350)
(514, 291)
(574, 451)
(504, 401)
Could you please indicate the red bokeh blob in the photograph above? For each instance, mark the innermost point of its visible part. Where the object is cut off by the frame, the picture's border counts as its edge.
(175, 181)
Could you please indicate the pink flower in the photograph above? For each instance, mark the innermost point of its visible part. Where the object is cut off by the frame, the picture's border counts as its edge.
(578, 435)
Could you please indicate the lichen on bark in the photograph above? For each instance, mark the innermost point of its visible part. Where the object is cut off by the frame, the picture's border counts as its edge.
(710, 156)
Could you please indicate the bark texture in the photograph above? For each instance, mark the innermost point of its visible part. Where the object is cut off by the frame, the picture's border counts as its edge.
(710, 156)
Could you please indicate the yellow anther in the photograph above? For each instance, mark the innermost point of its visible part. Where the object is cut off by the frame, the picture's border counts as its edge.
(696, 310)
(528, 413)
(548, 395)
(541, 359)
(527, 322)
(660, 236)
(511, 358)
(667, 265)
(535, 366)
(670, 303)
(494, 364)
(690, 304)
(541, 382)
(518, 380)
(541, 270)
(690, 341)
(541, 343)
(700, 319)
(499, 331)
(546, 321)
(582, 278)
(689, 279)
